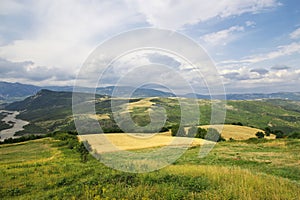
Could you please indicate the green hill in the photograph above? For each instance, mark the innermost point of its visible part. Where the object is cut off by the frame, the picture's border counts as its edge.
(50, 111)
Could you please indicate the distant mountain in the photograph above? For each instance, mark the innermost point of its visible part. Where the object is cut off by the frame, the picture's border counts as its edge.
(125, 91)
(294, 96)
(13, 91)
(10, 92)
(41, 100)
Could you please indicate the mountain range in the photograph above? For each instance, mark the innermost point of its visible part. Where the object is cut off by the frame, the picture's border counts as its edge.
(10, 92)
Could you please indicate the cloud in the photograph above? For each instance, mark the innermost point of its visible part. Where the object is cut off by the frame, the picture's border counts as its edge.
(295, 34)
(241, 74)
(250, 23)
(28, 71)
(280, 67)
(8, 7)
(166, 60)
(263, 79)
(222, 37)
(62, 34)
(260, 71)
(57, 36)
(284, 50)
(175, 14)
(281, 51)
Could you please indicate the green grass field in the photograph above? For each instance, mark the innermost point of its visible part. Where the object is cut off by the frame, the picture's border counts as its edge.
(257, 169)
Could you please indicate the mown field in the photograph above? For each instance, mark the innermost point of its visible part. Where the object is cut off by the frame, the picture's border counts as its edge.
(254, 169)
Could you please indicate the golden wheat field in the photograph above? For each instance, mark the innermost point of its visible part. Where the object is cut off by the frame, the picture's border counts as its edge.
(237, 132)
(132, 141)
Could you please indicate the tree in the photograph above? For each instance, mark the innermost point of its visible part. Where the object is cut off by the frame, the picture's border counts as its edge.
(214, 135)
(192, 132)
(260, 134)
(294, 135)
(268, 131)
(237, 123)
(279, 134)
(178, 131)
(201, 133)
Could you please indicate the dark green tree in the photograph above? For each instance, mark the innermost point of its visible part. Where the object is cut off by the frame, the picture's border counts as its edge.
(178, 131)
(201, 133)
(294, 135)
(268, 131)
(214, 135)
(192, 132)
(260, 134)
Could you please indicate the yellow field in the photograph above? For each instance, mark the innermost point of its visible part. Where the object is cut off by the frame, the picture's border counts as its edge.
(142, 103)
(133, 141)
(121, 141)
(99, 116)
(237, 132)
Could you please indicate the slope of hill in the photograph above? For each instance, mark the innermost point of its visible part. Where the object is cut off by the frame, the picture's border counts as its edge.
(233, 170)
(50, 111)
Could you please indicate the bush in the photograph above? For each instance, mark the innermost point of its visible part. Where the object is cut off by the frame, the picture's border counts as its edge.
(214, 135)
(178, 131)
(237, 123)
(256, 140)
(201, 133)
(295, 135)
(192, 132)
(260, 134)
(22, 139)
(279, 134)
(164, 129)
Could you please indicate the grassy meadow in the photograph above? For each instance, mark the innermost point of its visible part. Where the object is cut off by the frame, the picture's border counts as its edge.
(255, 169)
(57, 166)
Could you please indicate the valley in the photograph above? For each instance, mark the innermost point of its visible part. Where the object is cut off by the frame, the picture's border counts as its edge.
(48, 159)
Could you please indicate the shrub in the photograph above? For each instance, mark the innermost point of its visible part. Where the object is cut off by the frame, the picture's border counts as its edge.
(238, 123)
(192, 132)
(214, 135)
(260, 134)
(294, 135)
(163, 129)
(201, 133)
(178, 131)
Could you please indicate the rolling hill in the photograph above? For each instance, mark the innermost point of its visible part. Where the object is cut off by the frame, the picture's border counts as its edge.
(51, 111)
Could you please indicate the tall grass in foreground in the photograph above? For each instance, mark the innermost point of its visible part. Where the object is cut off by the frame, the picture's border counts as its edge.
(237, 183)
(48, 169)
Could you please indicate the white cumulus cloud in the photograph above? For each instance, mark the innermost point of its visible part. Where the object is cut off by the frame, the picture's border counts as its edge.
(222, 37)
(295, 34)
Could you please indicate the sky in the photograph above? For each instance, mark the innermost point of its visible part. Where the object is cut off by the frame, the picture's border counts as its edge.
(254, 44)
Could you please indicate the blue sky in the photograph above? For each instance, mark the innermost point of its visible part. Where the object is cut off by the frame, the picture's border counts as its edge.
(255, 44)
